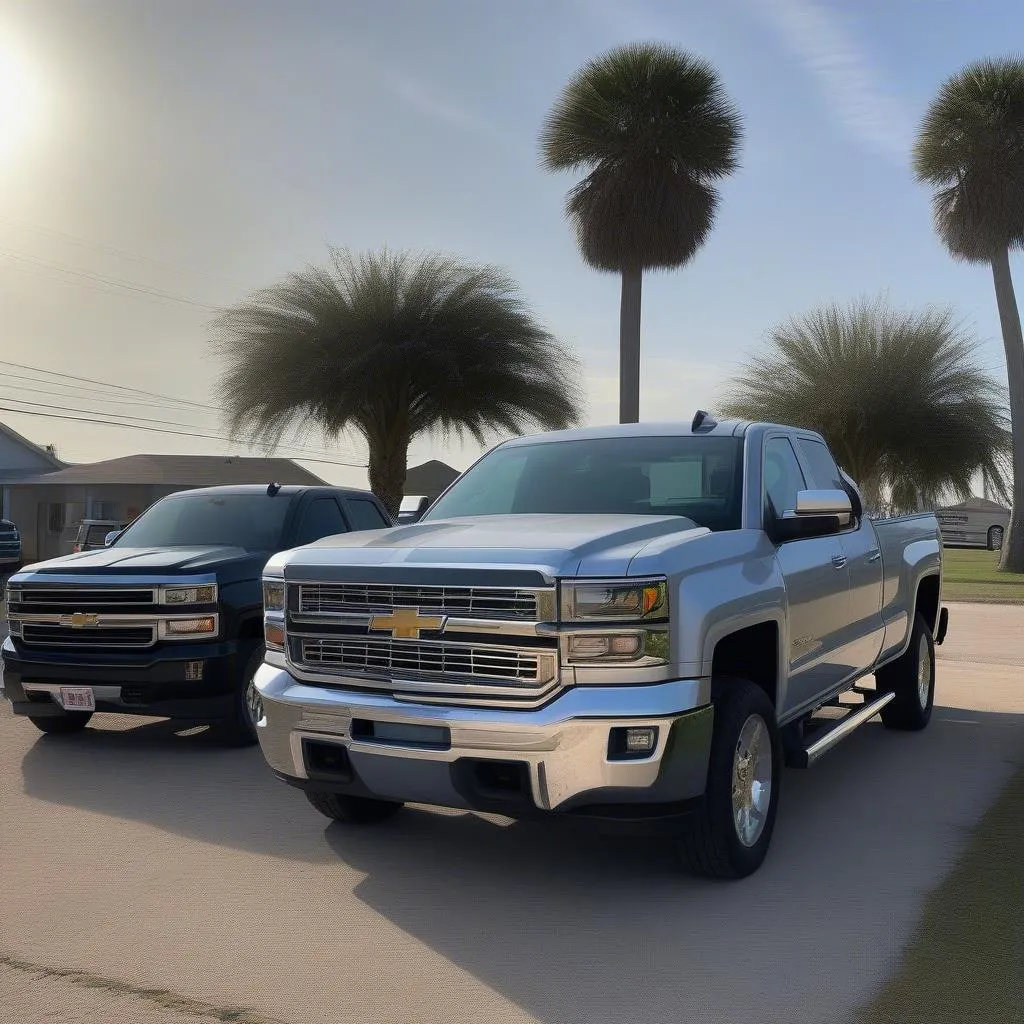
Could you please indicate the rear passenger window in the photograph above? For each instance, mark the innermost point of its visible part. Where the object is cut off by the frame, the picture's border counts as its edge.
(824, 471)
(365, 515)
(321, 518)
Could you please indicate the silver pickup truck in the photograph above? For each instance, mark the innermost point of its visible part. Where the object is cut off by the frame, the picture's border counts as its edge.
(637, 623)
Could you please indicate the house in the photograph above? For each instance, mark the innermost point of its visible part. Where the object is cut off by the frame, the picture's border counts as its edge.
(430, 479)
(48, 501)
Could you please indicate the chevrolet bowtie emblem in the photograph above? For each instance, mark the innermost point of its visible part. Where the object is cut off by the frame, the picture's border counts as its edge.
(79, 620)
(406, 623)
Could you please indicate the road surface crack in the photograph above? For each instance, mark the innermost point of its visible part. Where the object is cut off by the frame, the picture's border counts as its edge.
(164, 998)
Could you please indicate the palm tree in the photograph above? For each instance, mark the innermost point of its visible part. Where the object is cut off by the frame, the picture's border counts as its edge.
(654, 129)
(970, 150)
(392, 346)
(896, 394)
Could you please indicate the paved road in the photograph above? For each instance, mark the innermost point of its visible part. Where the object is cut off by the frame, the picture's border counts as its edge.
(152, 858)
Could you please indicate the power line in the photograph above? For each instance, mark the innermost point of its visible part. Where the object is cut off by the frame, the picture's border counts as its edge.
(85, 275)
(113, 250)
(160, 430)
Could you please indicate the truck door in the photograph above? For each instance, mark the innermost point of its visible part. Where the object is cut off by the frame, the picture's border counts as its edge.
(862, 638)
(817, 587)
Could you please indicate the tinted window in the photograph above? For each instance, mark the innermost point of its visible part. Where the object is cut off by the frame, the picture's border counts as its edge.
(782, 475)
(320, 518)
(824, 471)
(697, 477)
(250, 521)
(365, 515)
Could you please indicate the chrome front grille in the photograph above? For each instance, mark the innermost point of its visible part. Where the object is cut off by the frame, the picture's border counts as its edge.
(79, 598)
(56, 635)
(461, 602)
(397, 659)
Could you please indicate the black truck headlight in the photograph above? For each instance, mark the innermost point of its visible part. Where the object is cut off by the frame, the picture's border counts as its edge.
(205, 594)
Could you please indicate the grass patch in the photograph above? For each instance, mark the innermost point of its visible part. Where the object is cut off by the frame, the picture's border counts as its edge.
(964, 964)
(971, 575)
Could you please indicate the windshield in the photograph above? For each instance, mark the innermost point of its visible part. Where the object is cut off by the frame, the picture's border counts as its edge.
(251, 521)
(697, 477)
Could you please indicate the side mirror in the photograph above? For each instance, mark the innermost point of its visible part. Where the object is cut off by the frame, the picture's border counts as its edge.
(817, 514)
(111, 537)
(416, 514)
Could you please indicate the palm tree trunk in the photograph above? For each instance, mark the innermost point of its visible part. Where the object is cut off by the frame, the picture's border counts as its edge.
(1013, 344)
(387, 467)
(629, 346)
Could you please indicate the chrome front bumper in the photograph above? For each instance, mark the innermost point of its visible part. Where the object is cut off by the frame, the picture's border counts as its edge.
(562, 749)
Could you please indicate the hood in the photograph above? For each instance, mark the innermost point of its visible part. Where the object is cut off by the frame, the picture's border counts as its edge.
(228, 562)
(554, 545)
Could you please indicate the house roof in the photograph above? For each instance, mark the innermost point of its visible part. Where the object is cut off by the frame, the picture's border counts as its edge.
(179, 471)
(430, 479)
(31, 445)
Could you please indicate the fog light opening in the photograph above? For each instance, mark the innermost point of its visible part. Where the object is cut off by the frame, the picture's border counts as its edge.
(626, 743)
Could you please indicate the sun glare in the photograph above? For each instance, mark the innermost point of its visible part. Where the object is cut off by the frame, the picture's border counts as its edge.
(19, 98)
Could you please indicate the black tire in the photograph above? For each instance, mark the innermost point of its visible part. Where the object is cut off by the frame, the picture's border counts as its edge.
(240, 729)
(995, 538)
(710, 843)
(61, 725)
(911, 710)
(354, 810)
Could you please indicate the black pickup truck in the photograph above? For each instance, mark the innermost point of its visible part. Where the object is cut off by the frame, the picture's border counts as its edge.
(167, 620)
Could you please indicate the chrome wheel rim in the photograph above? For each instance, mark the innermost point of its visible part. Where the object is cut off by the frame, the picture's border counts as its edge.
(751, 780)
(253, 703)
(924, 673)
(997, 537)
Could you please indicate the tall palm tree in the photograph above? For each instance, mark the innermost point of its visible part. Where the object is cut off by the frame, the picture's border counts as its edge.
(654, 129)
(897, 395)
(392, 346)
(970, 150)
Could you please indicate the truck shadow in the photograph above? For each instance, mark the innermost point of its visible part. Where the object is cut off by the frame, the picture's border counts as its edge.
(575, 926)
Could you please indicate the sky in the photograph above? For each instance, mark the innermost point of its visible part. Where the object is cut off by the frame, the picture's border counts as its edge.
(160, 160)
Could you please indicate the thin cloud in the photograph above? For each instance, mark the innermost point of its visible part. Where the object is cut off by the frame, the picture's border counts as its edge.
(431, 101)
(853, 87)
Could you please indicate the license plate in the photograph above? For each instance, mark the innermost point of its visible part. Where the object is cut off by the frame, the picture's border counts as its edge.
(77, 698)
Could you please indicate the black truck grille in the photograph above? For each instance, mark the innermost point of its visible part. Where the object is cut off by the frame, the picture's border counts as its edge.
(79, 598)
(86, 637)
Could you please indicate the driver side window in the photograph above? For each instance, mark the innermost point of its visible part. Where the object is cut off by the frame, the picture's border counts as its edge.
(782, 476)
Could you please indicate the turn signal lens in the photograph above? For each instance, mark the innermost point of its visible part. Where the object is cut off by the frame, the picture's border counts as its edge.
(206, 625)
(273, 634)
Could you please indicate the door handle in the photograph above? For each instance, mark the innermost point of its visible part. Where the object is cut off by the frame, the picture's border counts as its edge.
(875, 555)
(838, 561)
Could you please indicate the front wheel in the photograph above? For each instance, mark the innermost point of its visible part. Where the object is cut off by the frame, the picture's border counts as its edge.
(355, 810)
(728, 837)
(912, 678)
(247, 707)
(61, 725)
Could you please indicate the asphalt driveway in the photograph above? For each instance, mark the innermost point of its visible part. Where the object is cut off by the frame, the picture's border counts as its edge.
(151, 857)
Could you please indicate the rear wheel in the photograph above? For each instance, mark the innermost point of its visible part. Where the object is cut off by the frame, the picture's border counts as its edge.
(912, 678)
(61, 725)
(729, 836)
(355, 810)
(995, 538)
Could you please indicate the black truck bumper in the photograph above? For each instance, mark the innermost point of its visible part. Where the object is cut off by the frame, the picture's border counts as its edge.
(159, 682)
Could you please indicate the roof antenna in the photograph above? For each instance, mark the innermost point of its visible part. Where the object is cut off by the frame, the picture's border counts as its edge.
(703, 422)
(272, 489)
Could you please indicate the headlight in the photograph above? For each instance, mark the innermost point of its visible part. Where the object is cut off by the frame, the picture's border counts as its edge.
(273, 595)
(201, 626)
(206, 594)
(618, 601)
